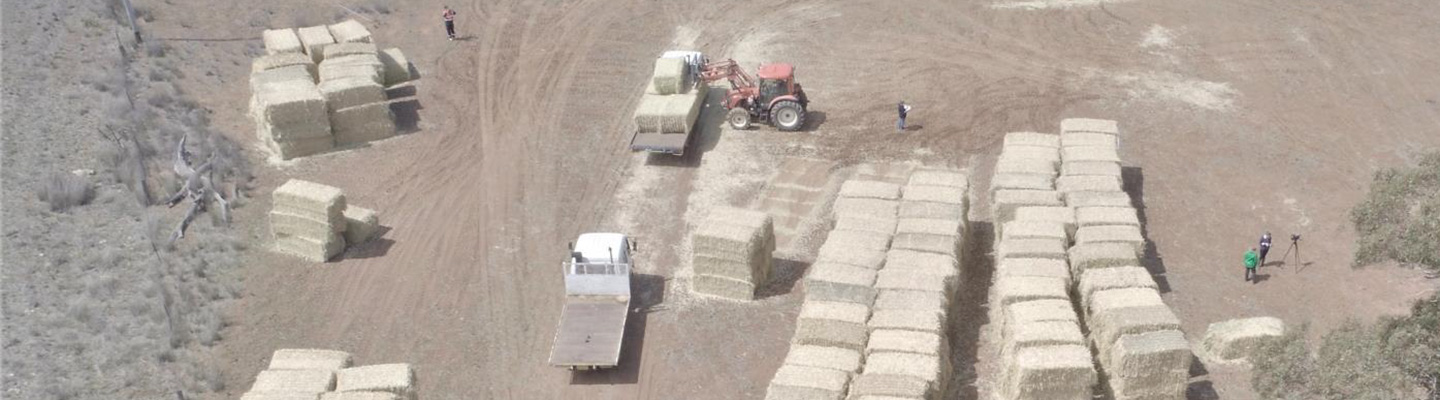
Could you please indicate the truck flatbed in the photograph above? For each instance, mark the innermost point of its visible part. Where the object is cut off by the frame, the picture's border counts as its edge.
(590, 333)
(657, 142)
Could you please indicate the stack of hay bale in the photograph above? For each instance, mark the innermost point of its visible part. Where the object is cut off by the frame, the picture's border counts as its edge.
(672, 102)
(313, 221)
(1236, 339)
(328, 375)
(1141, 350)
(1043, 353)
(917, 285)
(732, 253)
(294, 117)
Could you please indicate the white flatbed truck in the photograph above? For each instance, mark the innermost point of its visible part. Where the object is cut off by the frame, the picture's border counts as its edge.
(597, 302)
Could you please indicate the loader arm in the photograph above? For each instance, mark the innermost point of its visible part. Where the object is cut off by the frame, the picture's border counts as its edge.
(727, 70)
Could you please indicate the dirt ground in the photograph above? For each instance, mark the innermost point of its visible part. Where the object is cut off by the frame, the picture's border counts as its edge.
(1237, 116)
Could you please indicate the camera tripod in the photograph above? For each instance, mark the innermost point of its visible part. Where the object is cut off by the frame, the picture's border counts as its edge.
(1295, 246)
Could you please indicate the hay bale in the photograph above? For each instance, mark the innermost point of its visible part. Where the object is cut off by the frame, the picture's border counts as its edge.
(824, 357)
(729, 241)
(342, 49)
(1031, 248)
(907, 341)
(932, 321)
(303, 75)
(674, 113)
(911, 300)
(351, 91)
(929, 226)
(1089, 139)
(1021, 182)
(839, 254)
(938, 244)
(349, 31)
(353, 66)
(363, 123)
(1158, 385)
(883, 226)
(892, 279)
(754, 271)
(1101, 255)
(1142, 354)
(830, 333)
(1095, 280)
(280, 396)
(1237, 338)
(915, 261)
(1041, 267)
(1065, 215)
(1043, 153)
(926, 367)
(1032, 139)
(733, 289)
(669, 76)
(289, 223)
(1108, 326)
(931, 210)
(1117, 299)
(1097, 199)
(311, 198)
(1034, 229)
(934, 194)
(899, 386)
(281, 41)
(1069, 125)
(939, 177)
(782, 392)
(315, 250)
(314, 39)
(327, 360)
(1006, 201)
(802, 376)
(390, 378)
(1088, 183)
(1092, 168)
(301, 147)
(839, 282)
(1101, 216)
(1009, 290)
(361, 225)
(1024, 335)
(1090, 153)
(834, 311)
(1123, 234)
(1049, 372)
(1023, 166)
(859, 240)
(294, 380)
(870, 190)
(360, 396)
(295, 104)
(281, 60)
(1036, 311)
(397, 67)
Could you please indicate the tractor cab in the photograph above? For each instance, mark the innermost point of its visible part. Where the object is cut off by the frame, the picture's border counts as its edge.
(777, 80)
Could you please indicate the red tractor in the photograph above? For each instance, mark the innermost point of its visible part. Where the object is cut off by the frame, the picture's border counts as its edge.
(776, 98)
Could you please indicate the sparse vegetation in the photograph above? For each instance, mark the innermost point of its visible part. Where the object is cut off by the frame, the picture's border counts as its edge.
(63, 191)
(1400, 219)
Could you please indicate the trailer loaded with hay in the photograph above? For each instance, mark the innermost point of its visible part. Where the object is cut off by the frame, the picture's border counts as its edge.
(597, 302)
(665, 118)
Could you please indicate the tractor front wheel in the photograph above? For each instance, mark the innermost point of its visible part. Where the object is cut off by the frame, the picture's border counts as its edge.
(739, 118)
(788, 116)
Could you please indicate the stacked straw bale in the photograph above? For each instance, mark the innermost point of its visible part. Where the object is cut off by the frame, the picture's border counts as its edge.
(1088, 256)
(1006, 202)
(308, 220)
(1038, 267)
(668, 105)
(1048, 372)
(804, 382)
(363, 123)
(397, 66)
(328, 374)
(343, 49)
(398, 379)
(1123, 234)
(732, 253)
(824, 357)
(319, 359)
(290, 116)
(1235, 339)
(360, 396)
(280, 60)
(349, 31)
(278, 41)
(314, 39)
(361, 224)
(669, 76)
(1149, 365)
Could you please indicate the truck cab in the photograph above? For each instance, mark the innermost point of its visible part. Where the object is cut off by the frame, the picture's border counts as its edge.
(597, 302)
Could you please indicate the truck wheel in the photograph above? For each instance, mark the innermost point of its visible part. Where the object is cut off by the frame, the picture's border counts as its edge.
(788, 116)
(739, 118)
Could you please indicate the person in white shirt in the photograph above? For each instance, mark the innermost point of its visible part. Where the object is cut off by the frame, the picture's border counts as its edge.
(904, 110)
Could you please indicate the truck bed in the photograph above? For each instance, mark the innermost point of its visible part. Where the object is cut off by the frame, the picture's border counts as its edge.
(590, 333)
(656, 142)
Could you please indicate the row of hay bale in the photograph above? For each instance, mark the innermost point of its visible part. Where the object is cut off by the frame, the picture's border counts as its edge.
(323, 86)
(1043, 354)
(314, 222)
(1141, 351)
(317, 374)
(671, 102)
(733, 253)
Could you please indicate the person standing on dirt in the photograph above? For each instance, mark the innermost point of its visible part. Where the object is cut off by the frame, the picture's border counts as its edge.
(904, 110)
(1251, 260)
(449, 16)
(1264, 247)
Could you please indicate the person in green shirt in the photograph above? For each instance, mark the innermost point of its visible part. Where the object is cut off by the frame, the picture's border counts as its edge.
(1251, 260)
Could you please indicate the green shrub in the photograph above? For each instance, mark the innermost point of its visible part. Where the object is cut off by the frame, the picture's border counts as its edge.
(1400, 218)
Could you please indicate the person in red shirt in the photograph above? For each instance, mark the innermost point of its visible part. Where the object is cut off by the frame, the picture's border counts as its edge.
(449, 16)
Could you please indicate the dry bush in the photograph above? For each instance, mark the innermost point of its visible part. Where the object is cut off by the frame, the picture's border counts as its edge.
(63, 191)
(1400, 218)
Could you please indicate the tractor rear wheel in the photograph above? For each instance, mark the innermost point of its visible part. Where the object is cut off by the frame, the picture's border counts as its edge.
(788, 116)
(739, 118)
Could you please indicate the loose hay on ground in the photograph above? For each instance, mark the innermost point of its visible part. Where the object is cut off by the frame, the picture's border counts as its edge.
(1123, 234)
(294, 380)
(1088, 125)
(279, 41)
(1031, 248)
(1015, 139)
(1101, 255)
(733, 289)
(1237, 338)
(350, 31)
(870, 190)
(397, 67)
(824, 357)
(314, 39)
